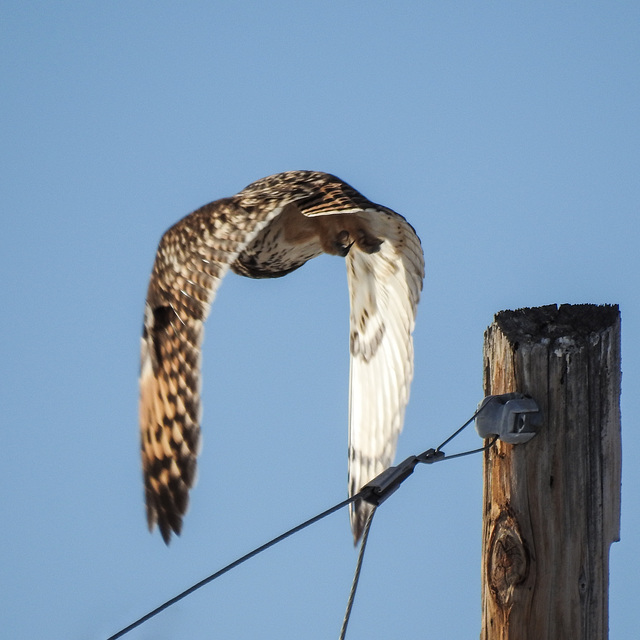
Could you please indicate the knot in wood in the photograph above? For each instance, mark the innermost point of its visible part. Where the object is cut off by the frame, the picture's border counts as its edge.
(508, 564)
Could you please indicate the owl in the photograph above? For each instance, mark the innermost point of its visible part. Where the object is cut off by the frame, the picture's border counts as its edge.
(268, 230)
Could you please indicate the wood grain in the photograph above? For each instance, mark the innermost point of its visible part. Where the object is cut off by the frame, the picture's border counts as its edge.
(552, 506)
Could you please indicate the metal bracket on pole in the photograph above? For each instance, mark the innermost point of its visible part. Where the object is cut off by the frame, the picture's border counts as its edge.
(513, 417)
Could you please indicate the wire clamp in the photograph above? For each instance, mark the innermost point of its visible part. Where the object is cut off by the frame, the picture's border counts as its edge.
(431, 455)
(383, 485)
(513, 417)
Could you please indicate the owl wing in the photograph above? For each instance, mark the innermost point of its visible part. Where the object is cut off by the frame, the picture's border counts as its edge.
(192, 258)
(384, 289)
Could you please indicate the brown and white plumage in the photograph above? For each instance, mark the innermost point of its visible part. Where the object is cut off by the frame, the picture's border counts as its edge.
(270, 228)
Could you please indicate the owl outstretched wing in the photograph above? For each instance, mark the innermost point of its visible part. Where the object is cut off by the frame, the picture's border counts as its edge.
(192, 258)
(384, 290)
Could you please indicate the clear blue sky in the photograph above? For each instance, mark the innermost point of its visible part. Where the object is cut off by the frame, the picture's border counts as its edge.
(509, 137)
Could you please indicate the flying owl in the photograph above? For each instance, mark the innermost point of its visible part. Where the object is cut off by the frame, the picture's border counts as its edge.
(268, 230)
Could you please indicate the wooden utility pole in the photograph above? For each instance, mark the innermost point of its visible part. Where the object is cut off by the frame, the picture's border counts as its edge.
(552, 505)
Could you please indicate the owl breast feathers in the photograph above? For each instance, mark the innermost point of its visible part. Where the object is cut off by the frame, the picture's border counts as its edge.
(270, 228)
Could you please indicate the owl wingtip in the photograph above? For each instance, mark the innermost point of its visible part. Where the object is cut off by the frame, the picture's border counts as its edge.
(167, 530)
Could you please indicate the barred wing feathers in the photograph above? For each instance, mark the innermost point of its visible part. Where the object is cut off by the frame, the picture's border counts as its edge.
(384, 289)
(192, 258)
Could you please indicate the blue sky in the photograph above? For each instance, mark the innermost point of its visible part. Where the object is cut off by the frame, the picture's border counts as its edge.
(507, 134)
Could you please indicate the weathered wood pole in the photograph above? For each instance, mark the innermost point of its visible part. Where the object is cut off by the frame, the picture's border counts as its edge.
(552, 505)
